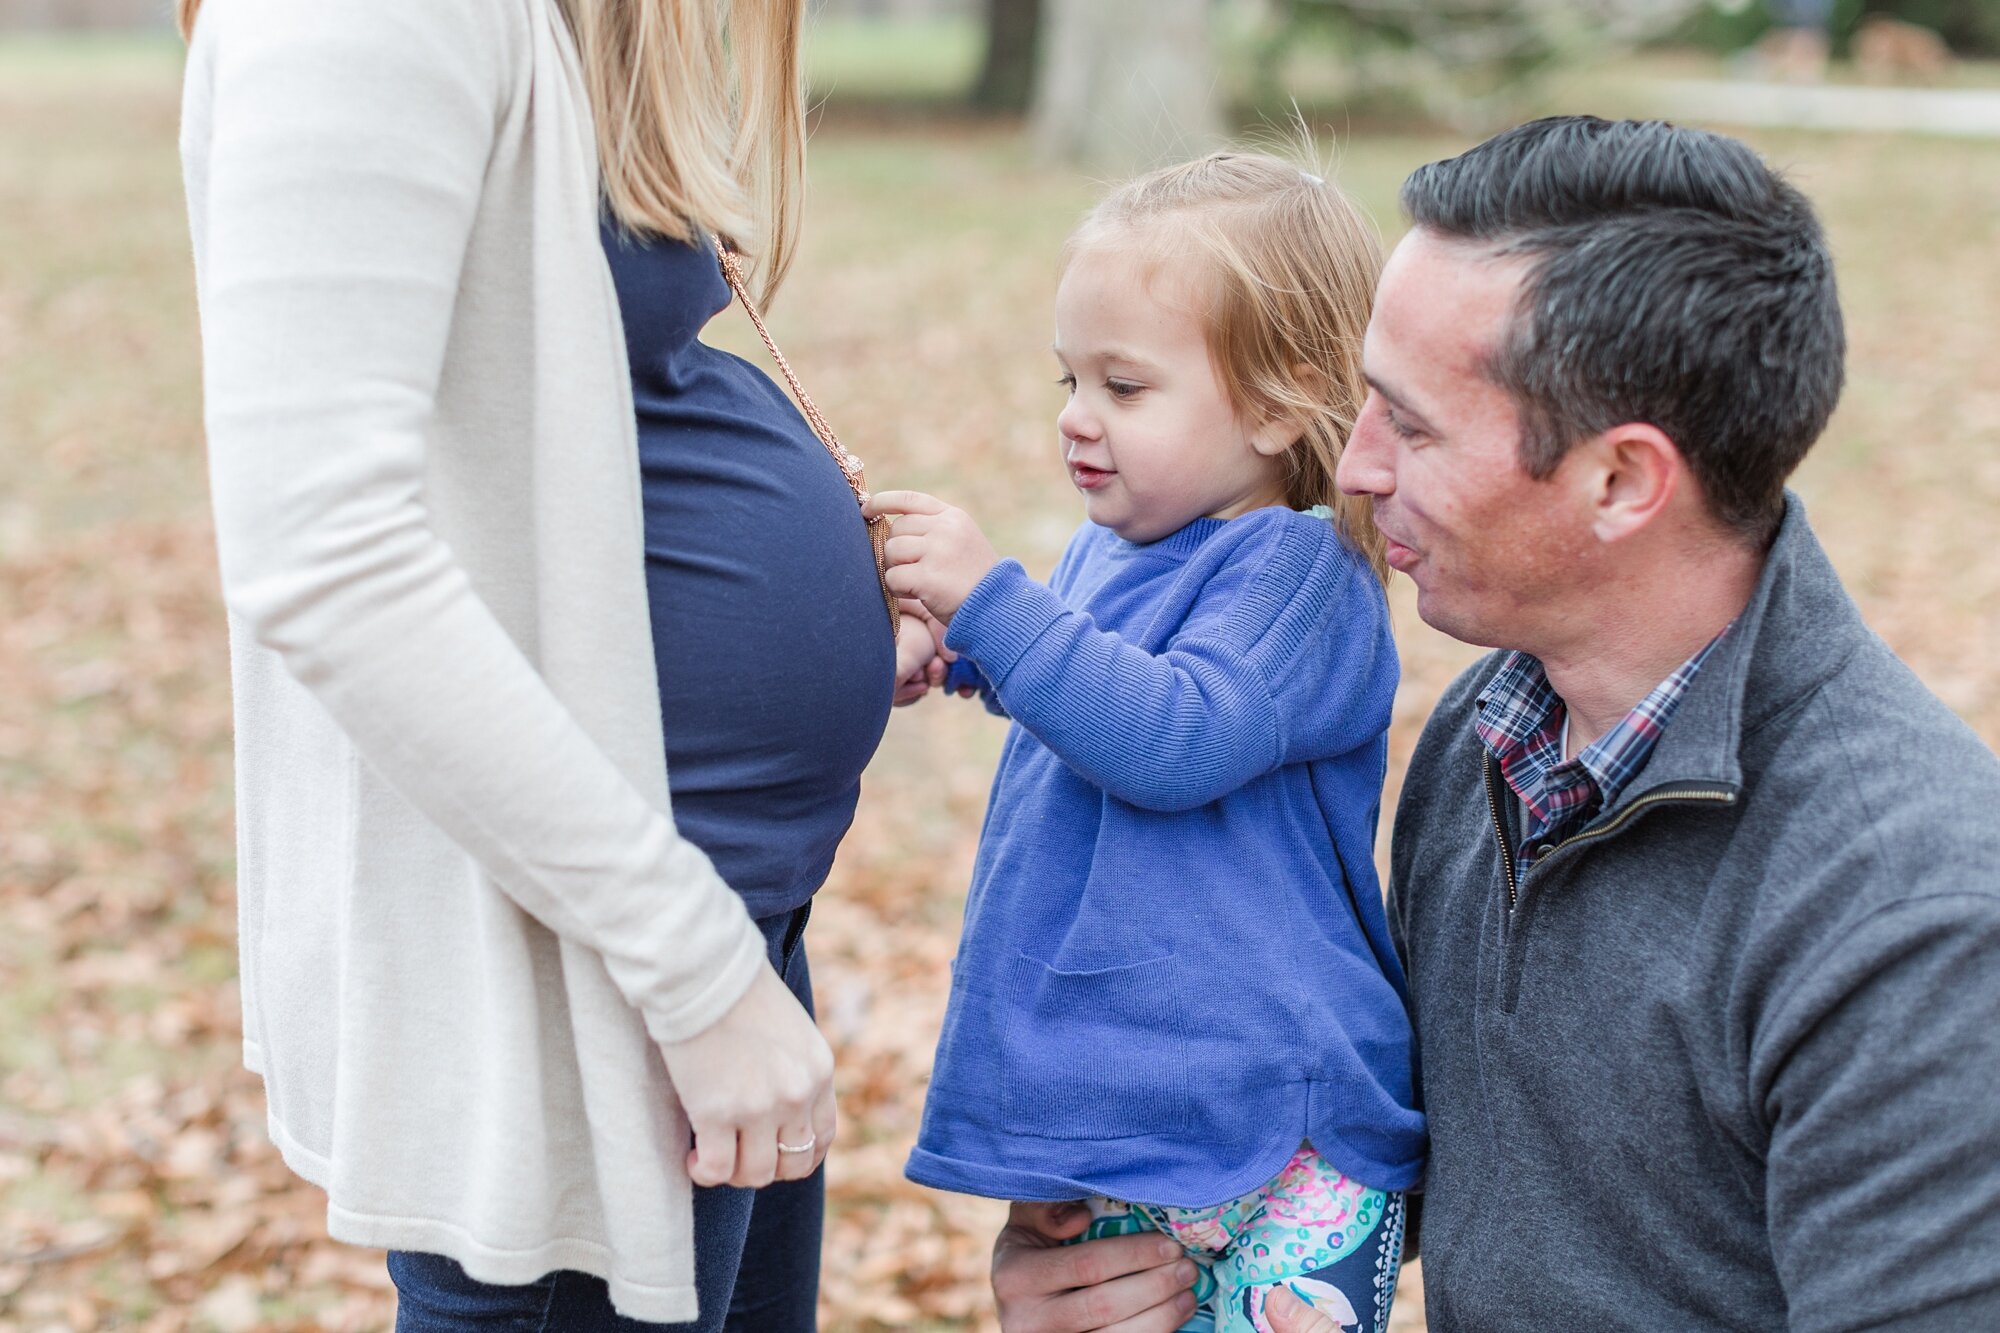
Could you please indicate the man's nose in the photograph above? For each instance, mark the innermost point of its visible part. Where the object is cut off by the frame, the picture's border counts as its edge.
(1365, 464)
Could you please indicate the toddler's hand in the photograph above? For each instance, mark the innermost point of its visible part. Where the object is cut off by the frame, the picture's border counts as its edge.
(920, 657)
(936, 553)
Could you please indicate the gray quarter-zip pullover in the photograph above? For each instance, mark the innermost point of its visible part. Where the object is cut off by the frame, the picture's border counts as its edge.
(1729, 1056)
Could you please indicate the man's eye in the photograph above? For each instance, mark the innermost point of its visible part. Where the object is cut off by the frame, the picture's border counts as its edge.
(1122, 388)
(1397, 424)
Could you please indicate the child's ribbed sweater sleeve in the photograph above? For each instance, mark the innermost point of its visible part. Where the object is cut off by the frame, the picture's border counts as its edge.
(965, 675)
(1283, 657)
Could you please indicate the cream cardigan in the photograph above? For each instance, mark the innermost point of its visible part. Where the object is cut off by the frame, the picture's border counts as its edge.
(466, 916)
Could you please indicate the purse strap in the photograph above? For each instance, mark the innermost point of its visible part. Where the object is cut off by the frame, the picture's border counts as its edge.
(850, 466)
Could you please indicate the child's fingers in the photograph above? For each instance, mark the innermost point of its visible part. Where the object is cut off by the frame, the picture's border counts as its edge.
(914, 682)
(911, 525)
(904, 549)
(903, 502)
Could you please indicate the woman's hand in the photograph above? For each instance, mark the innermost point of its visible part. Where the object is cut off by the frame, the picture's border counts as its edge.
(760, 1076)
(1133, 1284)
(935, 553)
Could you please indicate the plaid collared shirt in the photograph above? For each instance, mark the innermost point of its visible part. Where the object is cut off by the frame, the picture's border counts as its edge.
(1521, 721)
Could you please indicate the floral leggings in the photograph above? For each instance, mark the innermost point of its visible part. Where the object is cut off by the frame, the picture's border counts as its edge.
(1335, 1243)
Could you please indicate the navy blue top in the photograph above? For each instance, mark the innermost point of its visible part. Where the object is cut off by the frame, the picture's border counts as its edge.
(769, 634)
(1175, 965)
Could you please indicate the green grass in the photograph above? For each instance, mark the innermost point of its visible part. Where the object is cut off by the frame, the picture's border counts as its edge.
(878, 60)
(58, 60)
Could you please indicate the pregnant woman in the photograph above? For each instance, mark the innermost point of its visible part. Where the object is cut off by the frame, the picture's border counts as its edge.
(774, 667)
(511, 1007)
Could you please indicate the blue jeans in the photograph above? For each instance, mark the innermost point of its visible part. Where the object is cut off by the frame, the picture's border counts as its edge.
(756, 1252)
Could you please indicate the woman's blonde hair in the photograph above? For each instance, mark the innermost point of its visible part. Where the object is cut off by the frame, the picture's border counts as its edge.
(1283, 266)
(700, 114)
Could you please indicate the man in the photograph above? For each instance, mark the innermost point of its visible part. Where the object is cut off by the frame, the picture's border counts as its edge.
(1698, 887)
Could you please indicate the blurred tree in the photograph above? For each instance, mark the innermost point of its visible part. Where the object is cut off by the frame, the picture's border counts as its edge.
(1126, 84)
(1007, 71)
(1470, 63)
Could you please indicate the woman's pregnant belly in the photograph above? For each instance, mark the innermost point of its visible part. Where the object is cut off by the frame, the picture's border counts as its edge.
(770, 638)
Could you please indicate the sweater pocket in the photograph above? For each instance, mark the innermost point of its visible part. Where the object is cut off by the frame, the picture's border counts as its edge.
(1098, 1054)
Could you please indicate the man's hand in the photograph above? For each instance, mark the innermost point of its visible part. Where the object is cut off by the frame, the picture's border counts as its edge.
(1121, 1284)
(935, 553)
(1289, 1314)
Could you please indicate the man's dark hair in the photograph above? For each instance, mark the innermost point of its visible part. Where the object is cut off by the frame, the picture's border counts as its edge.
(1675, 280)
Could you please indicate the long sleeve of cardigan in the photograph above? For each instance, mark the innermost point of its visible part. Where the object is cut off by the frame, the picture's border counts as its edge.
(1278, 661)
(344, 172)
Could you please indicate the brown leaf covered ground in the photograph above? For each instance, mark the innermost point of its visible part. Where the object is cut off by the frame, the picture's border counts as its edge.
(137, 1188)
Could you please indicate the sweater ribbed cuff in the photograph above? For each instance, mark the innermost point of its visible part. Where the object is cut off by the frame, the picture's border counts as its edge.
(963, 674)
(727, 981)
(1001, 619)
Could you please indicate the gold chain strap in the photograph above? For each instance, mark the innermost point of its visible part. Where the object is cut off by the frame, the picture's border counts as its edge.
(850, 466)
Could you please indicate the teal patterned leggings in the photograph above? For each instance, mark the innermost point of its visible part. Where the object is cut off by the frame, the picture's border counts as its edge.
(1335, 1243)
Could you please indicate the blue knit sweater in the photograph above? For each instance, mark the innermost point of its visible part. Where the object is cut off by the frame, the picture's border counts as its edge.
(1175, 964)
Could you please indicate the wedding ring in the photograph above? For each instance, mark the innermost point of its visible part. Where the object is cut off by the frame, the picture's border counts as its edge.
(811, 1140)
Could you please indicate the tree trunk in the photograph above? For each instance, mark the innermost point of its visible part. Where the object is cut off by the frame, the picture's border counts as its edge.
(1007, 75)
(1126, 85)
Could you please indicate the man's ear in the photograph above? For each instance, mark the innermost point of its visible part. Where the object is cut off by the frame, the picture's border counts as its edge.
(1630, 474)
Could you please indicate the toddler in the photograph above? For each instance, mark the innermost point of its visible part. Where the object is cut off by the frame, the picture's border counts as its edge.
(1176, 995)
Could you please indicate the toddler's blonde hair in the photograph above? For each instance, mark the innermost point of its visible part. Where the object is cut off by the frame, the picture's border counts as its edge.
(1284, 267)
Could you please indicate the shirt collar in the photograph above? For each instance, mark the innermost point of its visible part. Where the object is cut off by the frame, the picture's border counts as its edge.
(1521, 721)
